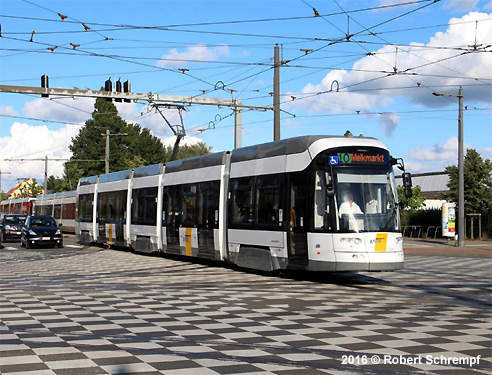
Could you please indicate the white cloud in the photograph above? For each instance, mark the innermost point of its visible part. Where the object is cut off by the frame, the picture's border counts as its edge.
(186, 141)
(446, 151)
(438, 157)
(485, 152)
(198, 52)
(389, 121)
(7, 110)
(427, 65)
(34, 142)
(333, 101)
(61, 109)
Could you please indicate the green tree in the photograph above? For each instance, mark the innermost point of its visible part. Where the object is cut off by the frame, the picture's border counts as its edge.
(188, 151)
(57, 184)
(139, 147)
(477, 181)
(416, 201)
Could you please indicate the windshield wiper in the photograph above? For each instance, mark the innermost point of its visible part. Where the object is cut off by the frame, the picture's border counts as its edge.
(390, 220)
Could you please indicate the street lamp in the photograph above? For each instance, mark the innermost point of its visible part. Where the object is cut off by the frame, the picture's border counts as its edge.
(461, 174)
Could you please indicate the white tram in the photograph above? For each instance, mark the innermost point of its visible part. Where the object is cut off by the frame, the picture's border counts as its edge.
(272, 206)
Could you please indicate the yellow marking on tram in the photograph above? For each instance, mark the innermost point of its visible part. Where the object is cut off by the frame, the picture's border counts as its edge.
(381, 239)
(188, 242)
(110, 233)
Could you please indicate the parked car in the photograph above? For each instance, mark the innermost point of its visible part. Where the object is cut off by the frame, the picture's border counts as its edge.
(41, 230)
(11, 225)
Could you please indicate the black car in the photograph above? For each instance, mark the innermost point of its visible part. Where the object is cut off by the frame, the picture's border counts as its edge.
(41, 230)
(11, 225)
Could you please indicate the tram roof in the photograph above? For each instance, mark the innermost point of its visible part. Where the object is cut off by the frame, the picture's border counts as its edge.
(284, 147)
(202, 161)
(288, 146)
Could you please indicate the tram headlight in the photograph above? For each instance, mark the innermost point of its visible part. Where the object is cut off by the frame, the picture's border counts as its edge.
(399, 239)
(355, 241)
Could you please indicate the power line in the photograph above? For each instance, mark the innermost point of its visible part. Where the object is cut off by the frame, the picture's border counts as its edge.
(215, 23)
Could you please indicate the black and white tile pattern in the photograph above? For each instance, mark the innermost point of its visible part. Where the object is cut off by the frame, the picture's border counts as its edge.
(93, 311)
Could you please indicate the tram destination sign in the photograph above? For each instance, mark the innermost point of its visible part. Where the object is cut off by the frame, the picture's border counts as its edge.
(358, 158)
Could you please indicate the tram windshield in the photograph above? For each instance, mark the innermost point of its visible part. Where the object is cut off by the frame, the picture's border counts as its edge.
(362, 200)
(365, 202)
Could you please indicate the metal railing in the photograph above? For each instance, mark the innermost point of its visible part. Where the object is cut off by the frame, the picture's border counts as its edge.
(417, 231)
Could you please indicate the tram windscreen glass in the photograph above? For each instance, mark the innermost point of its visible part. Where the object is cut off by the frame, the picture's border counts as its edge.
(365, 202)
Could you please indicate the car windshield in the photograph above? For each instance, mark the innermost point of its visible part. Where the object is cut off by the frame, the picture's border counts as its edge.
(43, 222)
(13, 220)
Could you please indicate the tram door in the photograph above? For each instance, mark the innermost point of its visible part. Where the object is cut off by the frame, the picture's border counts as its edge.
(298, 220)
(208, 217)
(172, 216)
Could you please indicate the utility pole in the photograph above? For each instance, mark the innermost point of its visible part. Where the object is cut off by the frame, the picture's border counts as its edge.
(106, 154)
(276, 95)
(1, 180)
(461, 170)
(238, 123)
(106, 158)
(45, 187)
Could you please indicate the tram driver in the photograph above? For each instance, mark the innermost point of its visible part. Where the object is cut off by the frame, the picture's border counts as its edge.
(348, 206)
(347, 211)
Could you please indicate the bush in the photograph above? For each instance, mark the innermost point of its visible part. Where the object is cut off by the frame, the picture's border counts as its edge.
(424, 218)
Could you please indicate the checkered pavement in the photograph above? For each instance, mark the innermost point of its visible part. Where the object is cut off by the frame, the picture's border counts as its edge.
(99, 311)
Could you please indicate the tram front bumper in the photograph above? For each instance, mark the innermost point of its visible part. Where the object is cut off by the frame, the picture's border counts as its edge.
(359, 262)
(367, 261)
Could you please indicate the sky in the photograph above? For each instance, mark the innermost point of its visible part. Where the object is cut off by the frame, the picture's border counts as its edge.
(367, 66)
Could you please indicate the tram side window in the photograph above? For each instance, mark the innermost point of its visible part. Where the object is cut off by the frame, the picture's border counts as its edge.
(320, 203)
(171, 209)
(188, 204)
(242, 200)
(268, 204)
(144, 206)
(68, 210)
(111, 206)
(85, 207)
(57, 211)
(208, 203)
